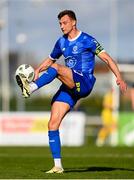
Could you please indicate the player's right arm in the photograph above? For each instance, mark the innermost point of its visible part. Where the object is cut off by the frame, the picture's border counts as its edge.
(55, 54)
(43, 66)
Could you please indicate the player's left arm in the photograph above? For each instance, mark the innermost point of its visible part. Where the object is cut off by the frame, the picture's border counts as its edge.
(104, 56)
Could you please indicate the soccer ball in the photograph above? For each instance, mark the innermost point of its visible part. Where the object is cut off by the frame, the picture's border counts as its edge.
(25, 71)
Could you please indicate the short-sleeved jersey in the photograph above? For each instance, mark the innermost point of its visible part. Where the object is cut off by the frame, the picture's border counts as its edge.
(79, 53)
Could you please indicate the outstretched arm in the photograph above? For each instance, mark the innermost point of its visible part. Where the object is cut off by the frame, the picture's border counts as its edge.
(43, 66)
(114, 68)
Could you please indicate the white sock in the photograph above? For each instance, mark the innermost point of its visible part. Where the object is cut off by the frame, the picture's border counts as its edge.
(33, 87)
(57, 163)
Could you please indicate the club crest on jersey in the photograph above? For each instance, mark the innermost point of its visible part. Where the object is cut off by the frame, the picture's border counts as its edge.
(75, 50)
(70, 61)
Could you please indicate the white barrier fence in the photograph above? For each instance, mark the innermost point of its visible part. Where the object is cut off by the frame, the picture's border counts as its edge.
(30, 128)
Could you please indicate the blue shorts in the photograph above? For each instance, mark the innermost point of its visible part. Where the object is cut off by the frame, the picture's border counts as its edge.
(83, 86)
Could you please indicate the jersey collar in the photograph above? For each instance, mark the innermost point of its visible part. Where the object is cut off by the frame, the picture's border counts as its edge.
(75, 37)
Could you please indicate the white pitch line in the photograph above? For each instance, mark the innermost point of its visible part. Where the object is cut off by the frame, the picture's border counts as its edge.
(71, 155)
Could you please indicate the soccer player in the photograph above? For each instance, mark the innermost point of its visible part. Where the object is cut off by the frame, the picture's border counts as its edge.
(108, 119)
(79, 50)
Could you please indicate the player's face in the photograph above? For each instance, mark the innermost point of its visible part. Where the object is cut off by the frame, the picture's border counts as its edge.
(67, 24)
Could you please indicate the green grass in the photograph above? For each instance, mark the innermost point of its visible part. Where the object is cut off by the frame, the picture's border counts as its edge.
(88, 162)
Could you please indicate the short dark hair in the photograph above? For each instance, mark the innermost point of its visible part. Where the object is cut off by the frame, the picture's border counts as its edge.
(70, 13)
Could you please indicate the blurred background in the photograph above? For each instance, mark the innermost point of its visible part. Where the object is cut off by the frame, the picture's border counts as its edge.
(28, 31)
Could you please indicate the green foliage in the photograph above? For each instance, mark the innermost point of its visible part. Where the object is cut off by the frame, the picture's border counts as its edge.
(125, 104)
(91, 105)
(32, 104)
(38, 104)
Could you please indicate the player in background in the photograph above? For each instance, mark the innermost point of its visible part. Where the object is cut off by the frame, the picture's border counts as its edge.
(79, 50)
(109, 121)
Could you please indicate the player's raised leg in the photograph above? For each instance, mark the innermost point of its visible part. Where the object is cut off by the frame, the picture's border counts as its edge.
(59, 110)
(63, 73)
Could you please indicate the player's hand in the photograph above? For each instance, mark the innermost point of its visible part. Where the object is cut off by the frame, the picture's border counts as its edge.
(122, 85)
(36, 74)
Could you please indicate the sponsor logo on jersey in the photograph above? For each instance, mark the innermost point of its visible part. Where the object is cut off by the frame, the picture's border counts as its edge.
(78, 86)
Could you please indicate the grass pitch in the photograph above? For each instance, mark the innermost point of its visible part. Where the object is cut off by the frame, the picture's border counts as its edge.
(88, 162)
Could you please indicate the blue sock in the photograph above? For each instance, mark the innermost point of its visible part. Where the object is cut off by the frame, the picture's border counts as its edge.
(47, 77)
(54, 143)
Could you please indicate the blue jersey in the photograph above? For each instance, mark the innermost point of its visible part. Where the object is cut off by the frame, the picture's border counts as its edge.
(79, 53)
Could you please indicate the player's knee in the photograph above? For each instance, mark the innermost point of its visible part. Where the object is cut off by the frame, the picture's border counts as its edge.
(55, 66)
(53, 125)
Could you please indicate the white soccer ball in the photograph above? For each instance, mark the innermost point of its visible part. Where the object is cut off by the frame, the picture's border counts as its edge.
(26, 71)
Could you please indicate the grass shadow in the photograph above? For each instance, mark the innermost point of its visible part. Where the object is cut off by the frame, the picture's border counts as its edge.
(95, 169)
